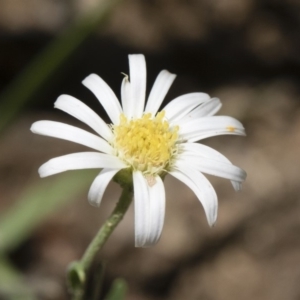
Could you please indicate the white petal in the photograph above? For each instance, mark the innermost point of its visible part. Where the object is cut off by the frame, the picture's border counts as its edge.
(157, 211)
(127, 103)
(208, 152)
(182, 105)
(204, 151)
(159, 90)
(202, 188)
(236, 185)
(99, 185)
(105, 95)
(212, 167)
(206, 109)
(71, 133)
(137, 71)
(81, 160)
(202, 128)
(141, 209)
(82, 112)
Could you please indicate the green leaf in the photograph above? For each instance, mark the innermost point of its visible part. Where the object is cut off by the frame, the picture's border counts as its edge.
(12, 283)
(118, 290)
(38, 202)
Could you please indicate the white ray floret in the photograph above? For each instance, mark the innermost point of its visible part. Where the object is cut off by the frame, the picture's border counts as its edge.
(159, 90)
(99, 185)
(146, 143)
(80, 160)
(105, 95)
(182, 105)
(138, 74)
(83, 113)
(71, 133)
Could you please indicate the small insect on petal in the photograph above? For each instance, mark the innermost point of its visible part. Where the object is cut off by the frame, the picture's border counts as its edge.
(230, 128)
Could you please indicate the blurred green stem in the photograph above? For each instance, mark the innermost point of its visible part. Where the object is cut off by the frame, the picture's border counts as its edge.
(118, 290)
(12, 283)
(45, 64)
(77, 271)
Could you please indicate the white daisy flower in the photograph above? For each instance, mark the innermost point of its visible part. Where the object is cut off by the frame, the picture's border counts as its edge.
(146, 144)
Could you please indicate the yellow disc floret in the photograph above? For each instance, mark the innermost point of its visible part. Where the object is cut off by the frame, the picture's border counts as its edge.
(146, 144)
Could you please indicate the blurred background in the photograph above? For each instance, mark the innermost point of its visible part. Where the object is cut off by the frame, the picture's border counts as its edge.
(244, 52)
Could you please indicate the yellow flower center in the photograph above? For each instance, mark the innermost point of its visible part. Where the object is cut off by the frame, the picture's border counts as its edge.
(146, 144)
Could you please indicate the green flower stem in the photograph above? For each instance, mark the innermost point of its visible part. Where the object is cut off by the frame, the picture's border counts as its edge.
(77, 270)
(108, 227)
